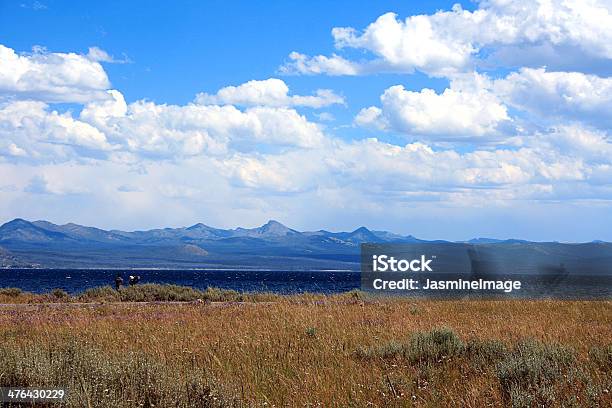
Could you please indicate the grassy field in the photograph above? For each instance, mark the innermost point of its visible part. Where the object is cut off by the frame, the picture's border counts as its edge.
(308, 350)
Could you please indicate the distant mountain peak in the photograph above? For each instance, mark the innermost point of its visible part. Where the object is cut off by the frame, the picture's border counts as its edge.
(199, 226)
(274, 228)
(22, 230)
(273, 224)
(17, 221)
(362, 230)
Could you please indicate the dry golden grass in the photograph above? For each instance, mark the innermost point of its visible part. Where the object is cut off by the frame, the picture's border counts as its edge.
(305, 351)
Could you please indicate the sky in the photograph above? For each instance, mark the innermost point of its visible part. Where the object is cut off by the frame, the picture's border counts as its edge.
(438, 119)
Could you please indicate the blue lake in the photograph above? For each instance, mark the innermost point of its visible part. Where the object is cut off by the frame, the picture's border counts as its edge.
(77, 280)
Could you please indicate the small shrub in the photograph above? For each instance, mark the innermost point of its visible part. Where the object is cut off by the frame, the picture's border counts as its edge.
(152, 292)
(100, 294)
(531, 371)
(159, 293)
(311, 332)
(221, 295)
(434, 345)
(11, 292)
(59, 294)
(423, 347)
(143, 293)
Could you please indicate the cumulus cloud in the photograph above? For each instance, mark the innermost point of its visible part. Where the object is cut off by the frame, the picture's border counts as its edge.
(169, 130)
(542, 169)
(111, 128)
(559, 95)
(466, 110)
(477, 107)
(590, 145)
(226, 141)
(270, 92)
(30, 131)
(448, 42)
(292, 172)
(51, 77)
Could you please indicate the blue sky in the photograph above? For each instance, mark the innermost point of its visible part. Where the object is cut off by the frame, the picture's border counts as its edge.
(439, 120)
(177, 51)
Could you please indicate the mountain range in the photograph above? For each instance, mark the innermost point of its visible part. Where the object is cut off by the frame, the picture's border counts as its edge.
(272, 245)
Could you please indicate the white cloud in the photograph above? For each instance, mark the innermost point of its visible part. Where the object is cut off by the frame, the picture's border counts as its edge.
(548, 166)
(51, 77)
(320, 64)
(270, 92)
(592, 146)
(172, 130)
(371, 117)
(419, 42)
(222, 139)
(100, 111)
(466, 110)
(99, 55)
(448, 42)
(559, 95)
(30, 131)
(476, 107)
(291, 172)
(541, 170)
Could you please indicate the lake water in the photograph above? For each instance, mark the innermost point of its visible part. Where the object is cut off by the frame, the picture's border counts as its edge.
(284, 282)
(77, 280)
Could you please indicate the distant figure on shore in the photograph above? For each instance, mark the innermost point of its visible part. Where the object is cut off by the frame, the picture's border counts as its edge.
(118, 281)
(134, 279)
